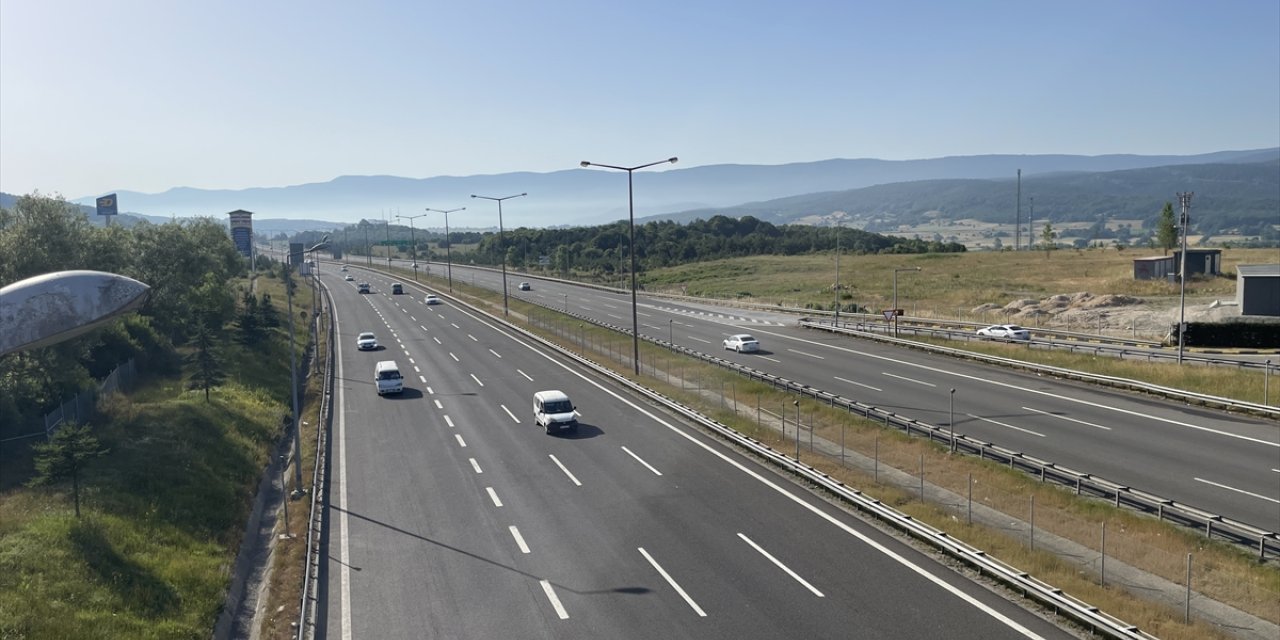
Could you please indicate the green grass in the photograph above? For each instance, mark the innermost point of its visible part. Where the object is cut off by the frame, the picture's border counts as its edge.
(163, 511)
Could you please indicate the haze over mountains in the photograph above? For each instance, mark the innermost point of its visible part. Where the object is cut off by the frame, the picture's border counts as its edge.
(1232, 188)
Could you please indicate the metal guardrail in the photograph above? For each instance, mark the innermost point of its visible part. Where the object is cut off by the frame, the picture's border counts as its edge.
(1046, 594)
(319, 485)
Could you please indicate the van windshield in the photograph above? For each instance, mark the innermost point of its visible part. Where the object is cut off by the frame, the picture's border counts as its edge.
(558, 406)
(389, 375)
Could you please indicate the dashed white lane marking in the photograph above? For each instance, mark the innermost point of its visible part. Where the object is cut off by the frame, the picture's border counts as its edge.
(857, 383)
(927, 384)
(1229, 488)
(422, 327)
(439, 405)
(448, 420)
(495, 353)
(770, 359)
(513, 416)
(698, 339)
(555, 601)
(564, 469)
(1047, 413)
(780, 565)
(416, 369)
(638, 459)
(526, 376)
(473, 377)
(493, 495)
(515, 533)
(805, 353)
(455, 358)
(674, 585)
(422, 379)
(436, 339)
(1006, 425)
(455, 325)
(473, 338)
(411, 361)
(461, 442)
(475, 465)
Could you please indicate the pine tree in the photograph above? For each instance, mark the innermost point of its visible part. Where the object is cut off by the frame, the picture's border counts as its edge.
(1167, 229)
(64, 457)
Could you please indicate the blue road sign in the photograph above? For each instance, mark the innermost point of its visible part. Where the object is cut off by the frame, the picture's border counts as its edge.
(107, 205)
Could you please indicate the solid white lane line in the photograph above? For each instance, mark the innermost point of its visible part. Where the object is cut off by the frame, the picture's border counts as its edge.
(475, 465)
(439, 405)
(461, 442)
(655, 471)
(455, 358)
(493, 495)
(555, 601)
(1047, 413)
(674, 585)
(1247, 493)
(526, 376)
(780, 565)
(495, 353)
(803, 353)
(515, 533)
(344, 526)
(770, 359)
(1004, 425)
(448, 421)
(564, 469)
(927, 384)
(513, 416)
(473, 377)
(857, 383)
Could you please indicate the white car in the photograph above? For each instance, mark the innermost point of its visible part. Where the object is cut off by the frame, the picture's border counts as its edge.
(525, 286)
(742, 343)
(431, 299)
(344, 267)
(348, 278)
(367, 342)
(1005, 332)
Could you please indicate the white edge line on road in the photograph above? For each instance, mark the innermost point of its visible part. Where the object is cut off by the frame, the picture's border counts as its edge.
(493, 495)
(674, 585)
(555, 601)
(1007, 426)
(638, 459)
(927, 384)
(1047, 413)
(857, 383)
(344, 526)
(887, 552)
(564, 469)
(461, 442)
(515, 533)
(475, 465)
(1247, 493)
(513, 416)
(784, 567)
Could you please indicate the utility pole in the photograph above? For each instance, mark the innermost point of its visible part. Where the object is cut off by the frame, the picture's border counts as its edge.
(1017, 217)
(1031, 222)
(1185, 200)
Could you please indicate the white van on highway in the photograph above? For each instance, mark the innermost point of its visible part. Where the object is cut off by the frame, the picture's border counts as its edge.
(554, 411)
(386, 375)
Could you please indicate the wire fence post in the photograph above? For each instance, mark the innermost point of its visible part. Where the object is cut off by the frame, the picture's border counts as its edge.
(969, 517)
(1186, 614)
(922, 478)
(1033, 522)
(877, 460)
(1103, 568)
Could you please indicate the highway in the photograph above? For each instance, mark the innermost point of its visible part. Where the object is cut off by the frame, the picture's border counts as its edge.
(1225, 463)
(451, 515)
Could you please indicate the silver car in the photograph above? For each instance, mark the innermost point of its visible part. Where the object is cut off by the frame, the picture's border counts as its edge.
(367, 342)
(1005, 332)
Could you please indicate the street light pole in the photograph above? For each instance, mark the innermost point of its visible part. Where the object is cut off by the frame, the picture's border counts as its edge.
(448, 241)
(293, 369)
(895, 297)
(631, 216)
(502, 245)
(838, 225)
(413, 243)
(951, 418)
(1185, 200)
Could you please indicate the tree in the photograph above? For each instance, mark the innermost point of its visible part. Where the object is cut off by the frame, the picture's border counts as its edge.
(208, 367)
(1047, 236)
(65, 456)
(1167, 229)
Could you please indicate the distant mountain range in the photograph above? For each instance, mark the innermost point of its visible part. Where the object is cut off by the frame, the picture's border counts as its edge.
(878, 193)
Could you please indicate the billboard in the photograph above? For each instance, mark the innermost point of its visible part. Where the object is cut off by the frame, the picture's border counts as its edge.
(107, 205)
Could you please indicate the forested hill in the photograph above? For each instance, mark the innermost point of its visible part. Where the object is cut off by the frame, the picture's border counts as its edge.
(601, 249)
(1244, 196)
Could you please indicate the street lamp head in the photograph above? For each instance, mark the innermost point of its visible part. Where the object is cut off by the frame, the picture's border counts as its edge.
(585, 163)
(673, 159)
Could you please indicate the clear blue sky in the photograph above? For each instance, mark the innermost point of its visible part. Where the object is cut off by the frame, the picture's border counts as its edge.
(148, 95)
